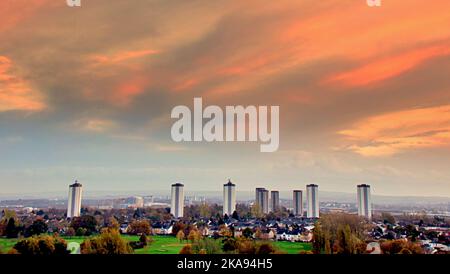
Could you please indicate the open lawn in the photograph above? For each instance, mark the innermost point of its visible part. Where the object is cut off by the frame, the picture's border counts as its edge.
(165, 245)
(292, 247)
(159, 245)
(6, 244)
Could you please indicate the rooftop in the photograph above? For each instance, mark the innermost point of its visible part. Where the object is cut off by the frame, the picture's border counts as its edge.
(229, 183)
(76, 184)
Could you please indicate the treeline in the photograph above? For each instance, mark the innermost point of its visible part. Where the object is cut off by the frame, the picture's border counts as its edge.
(349, 234)
(243, 212)
(224, 241)
(197, 244)
(108, 242)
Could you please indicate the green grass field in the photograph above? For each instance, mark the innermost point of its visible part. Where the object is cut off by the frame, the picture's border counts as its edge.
(292, 248)
(159, 245)
(165, 245)
(6, 244)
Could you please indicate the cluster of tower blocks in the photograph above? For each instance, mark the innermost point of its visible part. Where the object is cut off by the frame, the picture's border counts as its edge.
(263, 202)
(268, 204)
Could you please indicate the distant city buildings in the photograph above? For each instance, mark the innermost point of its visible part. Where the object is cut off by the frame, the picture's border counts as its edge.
(364, 201)
(312, 199)
(262, 199)
(177, 200)
(135, 202)
(229, 198)
(298, 203)
(275, 200)
(74, 201)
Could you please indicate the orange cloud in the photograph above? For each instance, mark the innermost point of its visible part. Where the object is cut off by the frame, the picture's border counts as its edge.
(95, 125)
(389, 67)
(15, 92)
(122, 56)
(12, 14)
(328, 30)
(128, 89)
(186, 84)
(391, 133)
(117, 69)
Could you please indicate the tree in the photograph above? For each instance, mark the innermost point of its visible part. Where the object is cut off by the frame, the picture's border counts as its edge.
(265, 248)
(258, 233)
(247, 232)
(341, 233)
(70, 232)
(327, 243)
(3, 223)
(318, 238)
(81, 231)
(412, 231)
(245, 246)
(36, 228)
(229, 245)
(205, 210)
(187, 249)
(344, 242)
(256, 211)
(224, 231)
(12, 230)
(207, 246)
(177, 227)
(194, 235)
(143, 239)
(235, 215)
(139, 227)
(109, 242)
(388, 218)
(113, 223)
(180, 235)
(41, 245)
(400, 246)
(86, 222)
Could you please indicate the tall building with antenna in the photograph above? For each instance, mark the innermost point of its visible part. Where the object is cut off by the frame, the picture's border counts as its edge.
(177, 200)
(312, 200)
(74, 201)
(229, 198)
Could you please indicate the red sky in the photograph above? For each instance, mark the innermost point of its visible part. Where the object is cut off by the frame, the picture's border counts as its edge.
(364, 93)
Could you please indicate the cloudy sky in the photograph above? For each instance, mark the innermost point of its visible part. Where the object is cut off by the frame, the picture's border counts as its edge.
(86, 93)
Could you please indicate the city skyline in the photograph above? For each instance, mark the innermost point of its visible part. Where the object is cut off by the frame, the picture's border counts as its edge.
(286, 193)
(363, 93)
(262, 200)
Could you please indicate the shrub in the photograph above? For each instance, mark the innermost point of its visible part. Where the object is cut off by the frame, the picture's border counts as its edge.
(41, 245)
(187, 249)
(109, 242)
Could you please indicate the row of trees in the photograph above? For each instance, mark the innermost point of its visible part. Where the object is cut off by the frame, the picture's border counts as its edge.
(225, 242)
(108, 242)
(229, 245)
(10, 227)
(243, 211)
(41, 245)
(348, 234)
(340, 234)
